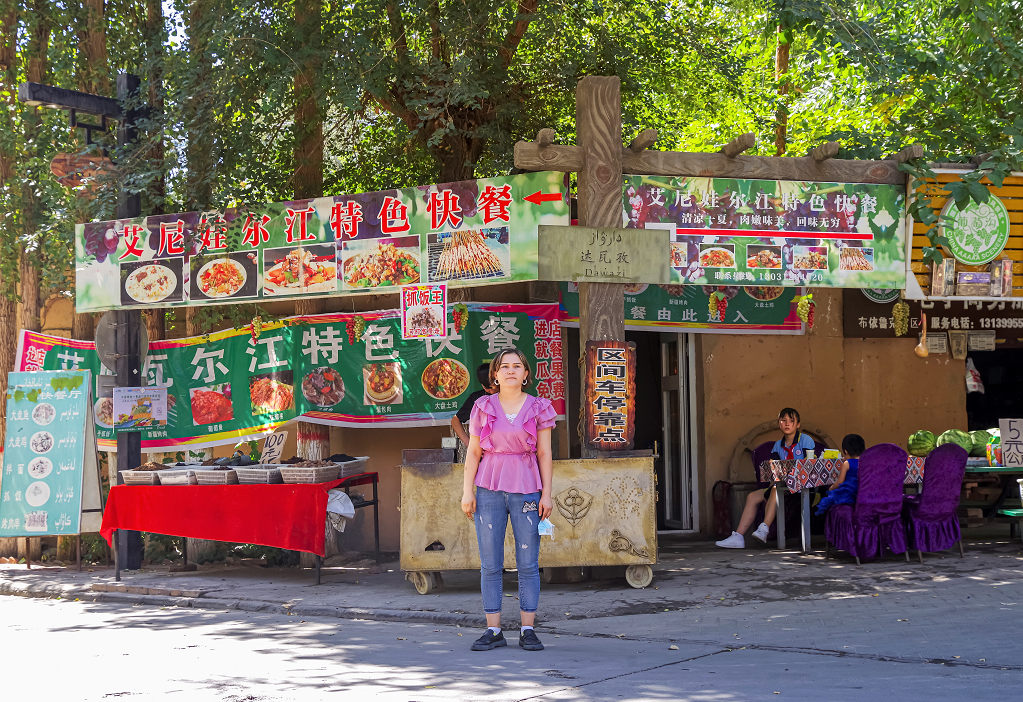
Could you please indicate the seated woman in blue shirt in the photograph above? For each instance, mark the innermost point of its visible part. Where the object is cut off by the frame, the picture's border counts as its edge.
(793, 445)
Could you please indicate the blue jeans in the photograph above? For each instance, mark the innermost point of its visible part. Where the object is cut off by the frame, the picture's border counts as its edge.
(493, 508)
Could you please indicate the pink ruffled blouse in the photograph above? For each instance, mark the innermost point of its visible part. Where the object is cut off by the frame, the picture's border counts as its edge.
(509, 445)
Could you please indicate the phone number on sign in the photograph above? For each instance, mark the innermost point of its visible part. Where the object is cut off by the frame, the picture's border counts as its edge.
(1001, 323)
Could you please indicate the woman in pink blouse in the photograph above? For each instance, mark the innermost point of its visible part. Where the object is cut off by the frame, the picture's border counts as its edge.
(508, 462)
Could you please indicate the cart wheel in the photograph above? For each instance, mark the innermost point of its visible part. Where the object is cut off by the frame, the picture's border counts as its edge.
(547, 576)
(639, 576)
(438, 581)
(423, 582)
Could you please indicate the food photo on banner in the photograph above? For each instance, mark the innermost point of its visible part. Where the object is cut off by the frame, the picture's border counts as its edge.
(464, 233)
(335, 369)
(747, 309)
(727, 231)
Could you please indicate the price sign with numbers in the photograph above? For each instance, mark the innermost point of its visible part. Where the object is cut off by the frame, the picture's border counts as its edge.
(273, 446)
(1011, 431)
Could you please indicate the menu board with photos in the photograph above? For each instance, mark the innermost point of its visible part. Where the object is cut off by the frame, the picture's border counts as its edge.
(465, 233)
(732, 231)
(50, 483)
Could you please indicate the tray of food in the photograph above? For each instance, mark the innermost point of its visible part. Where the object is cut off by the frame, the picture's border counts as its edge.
(259, 474)
(215, 476)
(310, 472)
(352, 467)
(145, 474)
(177, 476)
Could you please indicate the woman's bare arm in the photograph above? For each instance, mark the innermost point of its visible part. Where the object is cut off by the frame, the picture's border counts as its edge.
(544, 458)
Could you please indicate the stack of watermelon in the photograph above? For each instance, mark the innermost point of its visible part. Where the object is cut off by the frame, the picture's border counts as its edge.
(976, 443)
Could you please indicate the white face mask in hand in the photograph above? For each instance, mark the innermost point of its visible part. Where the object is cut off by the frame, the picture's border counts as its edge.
(545, 528)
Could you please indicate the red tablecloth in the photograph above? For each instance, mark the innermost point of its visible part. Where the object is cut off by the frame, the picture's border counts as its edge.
(285, 516)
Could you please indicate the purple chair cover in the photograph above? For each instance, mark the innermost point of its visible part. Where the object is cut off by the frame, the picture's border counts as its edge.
(932, 522)
(875, 521)
(760, 454)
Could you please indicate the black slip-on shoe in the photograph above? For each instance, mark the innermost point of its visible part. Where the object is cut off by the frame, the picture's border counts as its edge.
(529, 641)
(489, 640)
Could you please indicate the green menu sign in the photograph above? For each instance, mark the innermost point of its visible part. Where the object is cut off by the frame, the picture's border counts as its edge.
(49, 459)
(335, 369)
(729, 231)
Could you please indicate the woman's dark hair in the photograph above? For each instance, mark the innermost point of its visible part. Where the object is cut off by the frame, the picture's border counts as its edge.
(854, 445)
(789, 412)
(483, 374)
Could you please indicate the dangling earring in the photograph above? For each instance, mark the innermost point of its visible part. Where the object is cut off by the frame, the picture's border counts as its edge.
(524, 382)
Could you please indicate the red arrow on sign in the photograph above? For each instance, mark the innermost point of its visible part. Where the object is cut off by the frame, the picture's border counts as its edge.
(538, 197)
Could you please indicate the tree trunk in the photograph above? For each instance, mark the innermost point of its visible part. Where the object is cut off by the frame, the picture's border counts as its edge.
(154, 38)
(313, 440)
(308, 118)
(457, 155)
(781, 69)
(197, 113)
(93, 75)
(9, 78)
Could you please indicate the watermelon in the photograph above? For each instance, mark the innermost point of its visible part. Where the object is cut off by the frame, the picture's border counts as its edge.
(955, 436)
(980, 439)
(920, 443)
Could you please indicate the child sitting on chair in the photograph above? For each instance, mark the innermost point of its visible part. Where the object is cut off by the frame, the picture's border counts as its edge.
(843, 492)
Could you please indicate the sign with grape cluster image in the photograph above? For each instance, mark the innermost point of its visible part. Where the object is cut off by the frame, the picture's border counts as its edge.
(342, 369)
(471, 232)
(735, 232)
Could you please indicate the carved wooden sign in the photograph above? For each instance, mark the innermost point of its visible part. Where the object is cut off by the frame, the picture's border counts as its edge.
(603, 254)
(610, 407)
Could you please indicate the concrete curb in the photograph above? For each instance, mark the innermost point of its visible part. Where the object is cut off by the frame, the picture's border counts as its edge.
(162, 597)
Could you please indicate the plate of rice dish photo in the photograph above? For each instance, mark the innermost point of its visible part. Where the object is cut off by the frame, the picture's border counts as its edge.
(150, 283)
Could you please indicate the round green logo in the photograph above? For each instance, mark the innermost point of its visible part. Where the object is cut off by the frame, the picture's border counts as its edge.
(881, 295)
(978, 233)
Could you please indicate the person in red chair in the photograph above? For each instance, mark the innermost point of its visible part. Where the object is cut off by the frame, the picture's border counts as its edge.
(792, 445)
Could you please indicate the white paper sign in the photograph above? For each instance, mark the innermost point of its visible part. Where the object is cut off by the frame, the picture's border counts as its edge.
(273, 446)
(1011, 431)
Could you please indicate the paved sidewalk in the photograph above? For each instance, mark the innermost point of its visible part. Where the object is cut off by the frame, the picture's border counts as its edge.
(693, 581)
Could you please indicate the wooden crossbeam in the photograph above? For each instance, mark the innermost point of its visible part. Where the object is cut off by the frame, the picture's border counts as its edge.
(644, 141)
(529, 156)
(909, 153)
(739, 144)
(824, 151)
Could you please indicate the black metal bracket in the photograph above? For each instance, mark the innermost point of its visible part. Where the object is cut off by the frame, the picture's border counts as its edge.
(89, 128)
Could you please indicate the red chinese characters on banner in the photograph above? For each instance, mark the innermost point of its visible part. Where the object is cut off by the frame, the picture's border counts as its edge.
(495, 203)
(345, 218)
(213, 232)
(549, 372)
(172, 238)
(394, 216)
(610, 411)
(254, 231)
(132, 237)
(443, 207)
(297, 224)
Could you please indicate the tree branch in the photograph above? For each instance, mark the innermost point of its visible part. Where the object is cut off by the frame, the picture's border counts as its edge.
(397, 28)
(518, 30)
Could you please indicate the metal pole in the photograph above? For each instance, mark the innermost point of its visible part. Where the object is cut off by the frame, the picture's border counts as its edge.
(129, 323)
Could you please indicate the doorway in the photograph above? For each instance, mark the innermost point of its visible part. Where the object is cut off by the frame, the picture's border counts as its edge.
(664, 418)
